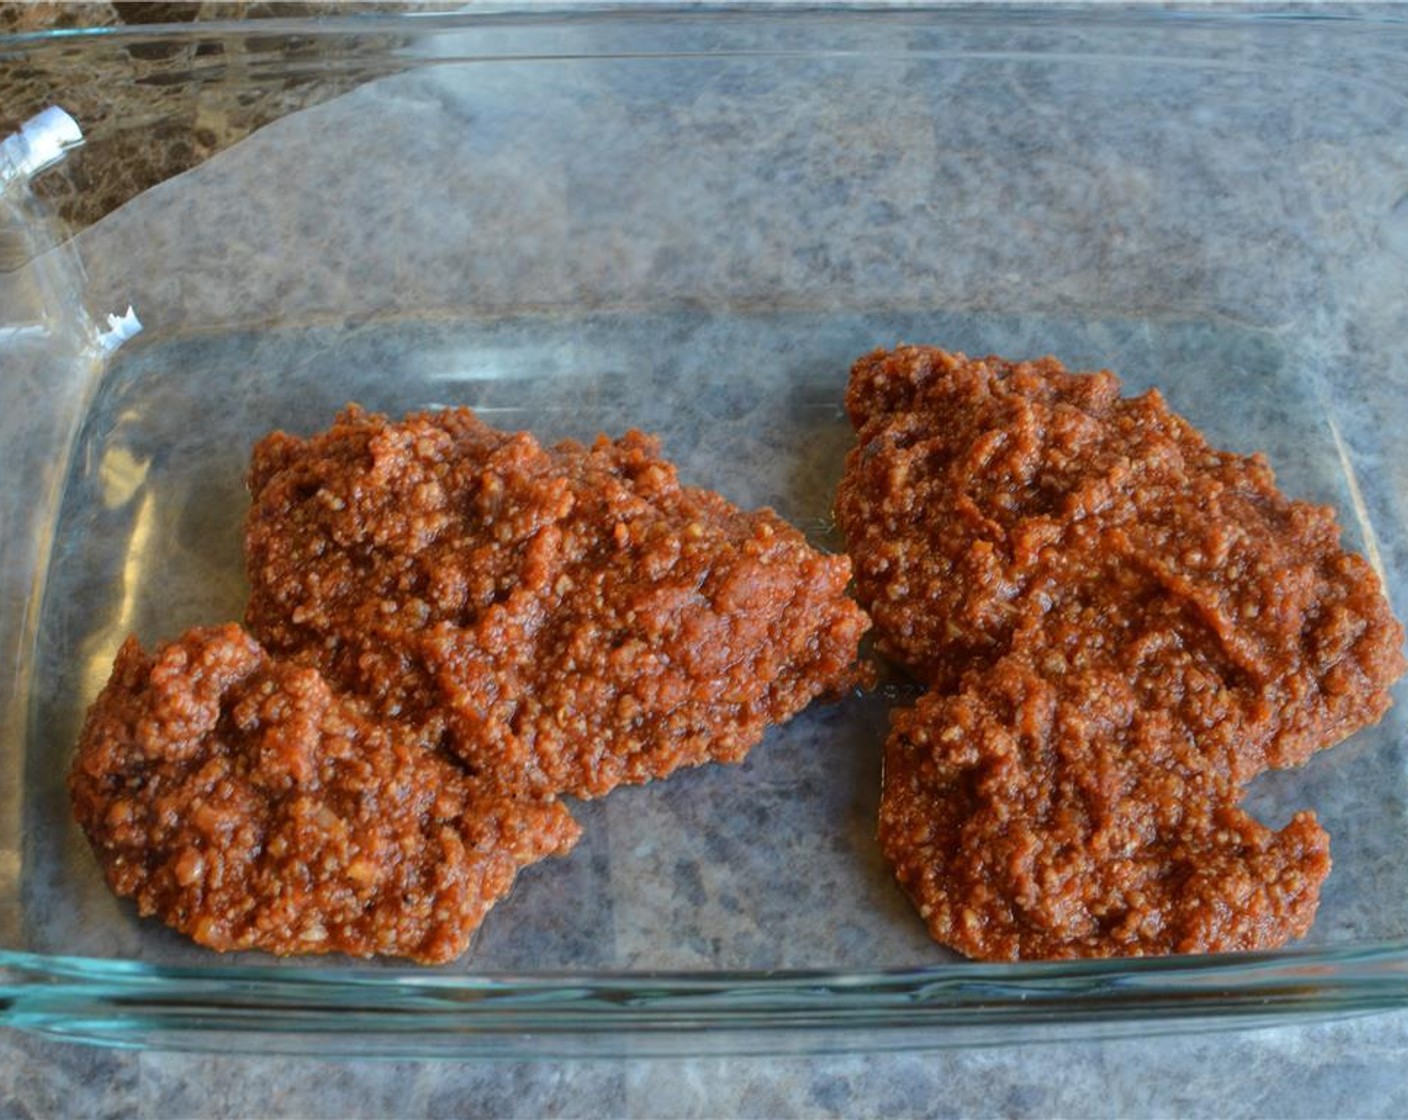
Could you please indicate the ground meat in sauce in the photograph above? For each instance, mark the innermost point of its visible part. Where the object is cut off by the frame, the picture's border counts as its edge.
(457, 625)
(1121, 626)
(252, 806)
(562, 619)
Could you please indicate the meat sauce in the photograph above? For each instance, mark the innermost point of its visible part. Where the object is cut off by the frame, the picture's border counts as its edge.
(1120, 626)
(449, 628)
(249, 805)
(562, 619)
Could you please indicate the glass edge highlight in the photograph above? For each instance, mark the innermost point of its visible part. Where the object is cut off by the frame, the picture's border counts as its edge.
(404, 1012)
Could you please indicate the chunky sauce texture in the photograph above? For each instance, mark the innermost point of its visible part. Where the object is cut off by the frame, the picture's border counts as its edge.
(562, 619)
(450, 627)
(1120, 627)
(251, 806)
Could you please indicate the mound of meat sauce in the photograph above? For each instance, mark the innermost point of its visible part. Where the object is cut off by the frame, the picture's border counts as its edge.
(562, 620)
(449, 627)
(250, 805)
(1120, 626)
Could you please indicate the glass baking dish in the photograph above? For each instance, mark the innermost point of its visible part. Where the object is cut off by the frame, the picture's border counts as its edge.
(689, 222)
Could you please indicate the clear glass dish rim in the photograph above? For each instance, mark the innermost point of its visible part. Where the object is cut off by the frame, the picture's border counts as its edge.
(549, 1013)
(673, 13)
(98, 999)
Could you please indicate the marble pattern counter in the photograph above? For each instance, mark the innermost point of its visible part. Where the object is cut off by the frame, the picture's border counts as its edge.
(141, 128)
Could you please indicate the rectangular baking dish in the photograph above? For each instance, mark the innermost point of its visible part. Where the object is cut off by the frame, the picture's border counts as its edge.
(689, 222)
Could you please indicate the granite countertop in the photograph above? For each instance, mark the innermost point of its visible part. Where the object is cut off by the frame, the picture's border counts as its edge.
(120, 162)
(1346, 1067)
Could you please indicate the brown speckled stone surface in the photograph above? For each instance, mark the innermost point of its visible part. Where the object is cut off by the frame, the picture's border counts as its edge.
(152, 110)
